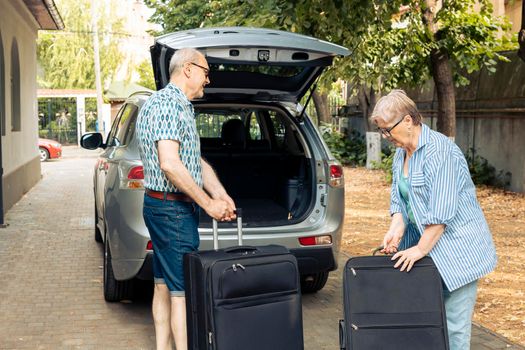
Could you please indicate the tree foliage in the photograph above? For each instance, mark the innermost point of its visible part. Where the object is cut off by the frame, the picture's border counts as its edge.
(66, 57)
(146, 77)
(391, 41)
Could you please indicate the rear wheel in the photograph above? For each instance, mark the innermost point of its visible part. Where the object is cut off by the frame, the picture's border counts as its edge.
(314, 282)
(44, 154)
(113, 290)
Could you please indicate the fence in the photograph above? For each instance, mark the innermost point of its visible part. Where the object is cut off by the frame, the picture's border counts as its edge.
(334, 104)
(490, 117)
(57, 118)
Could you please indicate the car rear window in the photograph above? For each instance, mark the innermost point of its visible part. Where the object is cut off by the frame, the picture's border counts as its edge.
(271, 70)
(264, 129)
(209, 124)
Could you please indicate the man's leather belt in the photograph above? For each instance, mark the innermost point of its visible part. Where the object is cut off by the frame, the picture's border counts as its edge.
(169, 196)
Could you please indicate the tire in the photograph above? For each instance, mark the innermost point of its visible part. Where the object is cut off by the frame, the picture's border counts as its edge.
(44, 154)
(313, 283)
(98, 234)
(113, 290)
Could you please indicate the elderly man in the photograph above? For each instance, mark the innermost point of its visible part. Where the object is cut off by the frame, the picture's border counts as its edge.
(178, 182)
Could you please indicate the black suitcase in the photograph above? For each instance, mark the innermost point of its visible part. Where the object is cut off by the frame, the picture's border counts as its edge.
(243, 297)
(388, 309)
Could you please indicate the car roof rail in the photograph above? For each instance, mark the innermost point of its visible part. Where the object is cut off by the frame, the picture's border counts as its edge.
(142, 92)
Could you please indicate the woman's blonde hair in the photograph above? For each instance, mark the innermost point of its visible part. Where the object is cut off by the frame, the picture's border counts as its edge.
(395, 105)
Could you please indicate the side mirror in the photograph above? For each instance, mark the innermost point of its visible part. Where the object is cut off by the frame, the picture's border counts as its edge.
(92, 140)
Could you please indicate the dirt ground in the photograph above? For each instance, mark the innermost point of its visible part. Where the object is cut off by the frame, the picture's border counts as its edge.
(501, 294)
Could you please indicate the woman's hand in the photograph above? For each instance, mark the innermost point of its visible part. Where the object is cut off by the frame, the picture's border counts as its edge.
(394, 234)
(391, 241)
(407, 258)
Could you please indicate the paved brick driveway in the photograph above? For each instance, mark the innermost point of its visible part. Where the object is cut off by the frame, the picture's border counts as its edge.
(51, 289)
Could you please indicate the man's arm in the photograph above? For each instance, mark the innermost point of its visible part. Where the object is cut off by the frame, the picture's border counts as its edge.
(213, 186)
(211, 182)
(176, 172)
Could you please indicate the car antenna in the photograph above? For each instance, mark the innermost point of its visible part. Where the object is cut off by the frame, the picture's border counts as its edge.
(307, 101)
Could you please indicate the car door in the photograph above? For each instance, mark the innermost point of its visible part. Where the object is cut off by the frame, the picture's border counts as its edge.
(119, 143)
(103, 164)
(256, 63)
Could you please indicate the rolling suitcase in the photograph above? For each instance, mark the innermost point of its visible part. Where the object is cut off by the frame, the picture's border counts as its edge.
(243, 297)
(388, 309)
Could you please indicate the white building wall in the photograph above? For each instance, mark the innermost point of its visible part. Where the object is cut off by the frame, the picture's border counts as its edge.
(19, 147)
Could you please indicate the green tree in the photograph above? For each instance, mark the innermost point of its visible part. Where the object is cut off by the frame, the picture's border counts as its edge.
(146, 77)
(176, 15)
(521, 36)
(393, 42)
(66, 57)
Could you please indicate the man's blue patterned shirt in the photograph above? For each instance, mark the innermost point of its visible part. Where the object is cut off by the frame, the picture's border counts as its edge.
(168, 115)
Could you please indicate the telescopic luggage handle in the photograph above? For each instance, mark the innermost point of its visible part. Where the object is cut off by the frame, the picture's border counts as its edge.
(238, 212)
(377, 250)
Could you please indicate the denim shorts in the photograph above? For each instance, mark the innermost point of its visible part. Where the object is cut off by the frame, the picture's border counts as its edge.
(173, 228)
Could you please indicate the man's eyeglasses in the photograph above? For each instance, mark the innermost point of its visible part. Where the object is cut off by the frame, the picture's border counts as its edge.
(206, 70)
(386, 131)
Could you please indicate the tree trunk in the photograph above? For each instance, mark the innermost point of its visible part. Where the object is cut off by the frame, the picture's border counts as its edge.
(521, 35)
(442, 74)
(367, 100)
(446, 117)
(321, 107)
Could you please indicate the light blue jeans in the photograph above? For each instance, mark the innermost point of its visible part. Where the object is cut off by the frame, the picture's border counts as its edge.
(459, 307)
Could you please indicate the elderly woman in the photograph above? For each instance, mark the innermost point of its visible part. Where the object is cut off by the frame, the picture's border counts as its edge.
(434, 211)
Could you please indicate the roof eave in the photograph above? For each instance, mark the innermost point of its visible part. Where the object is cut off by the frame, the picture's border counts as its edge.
(46, 14)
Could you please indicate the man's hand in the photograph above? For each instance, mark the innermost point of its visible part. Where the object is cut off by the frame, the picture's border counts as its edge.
(407, 258)
(218, 209)
(230, 214)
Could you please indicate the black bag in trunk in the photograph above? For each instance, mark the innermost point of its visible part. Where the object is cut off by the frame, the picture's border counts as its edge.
(243, 297)
(388, 309)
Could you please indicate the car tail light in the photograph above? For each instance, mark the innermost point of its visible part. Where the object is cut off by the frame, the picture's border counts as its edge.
(131, 175)
(149, 246)
(136, 173)
(337, 178)
(316, 240)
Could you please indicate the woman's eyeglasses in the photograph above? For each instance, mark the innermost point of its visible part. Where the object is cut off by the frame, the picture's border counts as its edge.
(386, 131)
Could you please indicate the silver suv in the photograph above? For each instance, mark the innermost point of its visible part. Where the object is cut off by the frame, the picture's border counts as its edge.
(253, 131)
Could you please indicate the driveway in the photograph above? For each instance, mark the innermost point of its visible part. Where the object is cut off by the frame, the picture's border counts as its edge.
(51, 290)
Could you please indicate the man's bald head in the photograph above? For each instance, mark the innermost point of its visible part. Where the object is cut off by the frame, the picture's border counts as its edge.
(182, 56)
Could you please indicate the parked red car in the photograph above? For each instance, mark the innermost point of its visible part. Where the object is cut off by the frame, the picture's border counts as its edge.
(49, 149)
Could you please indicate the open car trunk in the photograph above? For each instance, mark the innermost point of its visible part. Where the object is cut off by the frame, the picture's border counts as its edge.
(261, 159)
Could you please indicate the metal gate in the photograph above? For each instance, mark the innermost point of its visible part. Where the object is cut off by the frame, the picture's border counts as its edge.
(57, 118)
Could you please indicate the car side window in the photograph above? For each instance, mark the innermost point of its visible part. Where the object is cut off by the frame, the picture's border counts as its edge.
(119, 130)
(255, 129)
(111, 142)
(279, 129)
(126, 125)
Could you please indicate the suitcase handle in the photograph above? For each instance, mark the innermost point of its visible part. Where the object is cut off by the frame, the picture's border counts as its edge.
(241, 249)
(377, 250)
(238, 212)
(342, 335)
